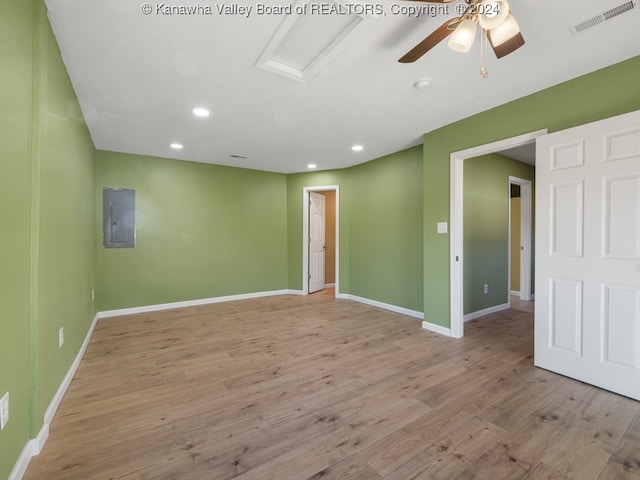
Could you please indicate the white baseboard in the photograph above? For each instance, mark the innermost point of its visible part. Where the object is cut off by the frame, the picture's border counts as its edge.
(432, 327)
(34, 446)
(20, 468)
(62, 389)
(385, 306)
(40, 440)
(487, 311)
(329, 285)
(515, 292)
(193, 303)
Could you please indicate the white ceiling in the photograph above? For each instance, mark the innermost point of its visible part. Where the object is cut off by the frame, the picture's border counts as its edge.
(138, 77)
(524, 153)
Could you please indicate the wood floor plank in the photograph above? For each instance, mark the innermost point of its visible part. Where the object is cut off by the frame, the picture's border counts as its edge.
(311, 387)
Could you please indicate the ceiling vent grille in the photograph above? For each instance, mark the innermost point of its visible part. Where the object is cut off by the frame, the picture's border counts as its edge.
(604, 16)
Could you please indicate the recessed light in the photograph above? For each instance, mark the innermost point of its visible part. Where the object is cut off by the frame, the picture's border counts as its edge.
(357, 148)
(176, 146)
(200, 112)
(312, 165)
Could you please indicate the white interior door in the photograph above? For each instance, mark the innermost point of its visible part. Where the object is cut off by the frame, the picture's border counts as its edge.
(587, 319)
(316, 241)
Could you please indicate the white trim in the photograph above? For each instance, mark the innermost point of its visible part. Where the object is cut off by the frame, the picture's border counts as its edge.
(305, 235)
(62, 389)
(20, 468)
(329, 285)
(456, 214)
(34, 445)
(432, 327)
(40, 440)
(385, 306)
(194, 303)
(514, 292)
(487, 311)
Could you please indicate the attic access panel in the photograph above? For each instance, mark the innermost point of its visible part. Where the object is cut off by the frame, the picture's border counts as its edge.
(312, 34)
(118, 218)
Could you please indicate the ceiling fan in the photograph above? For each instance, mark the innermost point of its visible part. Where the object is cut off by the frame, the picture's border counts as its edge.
(495, 19)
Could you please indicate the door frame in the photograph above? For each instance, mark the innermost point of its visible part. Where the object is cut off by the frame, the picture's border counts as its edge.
(456, 260)
(305, 234)
(525, 238)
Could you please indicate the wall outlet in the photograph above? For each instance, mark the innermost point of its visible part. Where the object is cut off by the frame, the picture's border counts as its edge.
(61, 337)
(4, 410)
(93, 294)
(486, 288)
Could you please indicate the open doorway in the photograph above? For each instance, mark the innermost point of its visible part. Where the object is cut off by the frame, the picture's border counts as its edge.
(320, 245)
(457, 223)
(520, 238)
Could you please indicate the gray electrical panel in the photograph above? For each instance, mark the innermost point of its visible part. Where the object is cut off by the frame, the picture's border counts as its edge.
(118, 218)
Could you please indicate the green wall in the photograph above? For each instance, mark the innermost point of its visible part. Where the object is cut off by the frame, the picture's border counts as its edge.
(202, 231)
(47, 246)
(16, 33)
(295, 186)
(380, 209)
(601, 94)
(486, 228)
(206, 231)
(385, 224)
(64, 157)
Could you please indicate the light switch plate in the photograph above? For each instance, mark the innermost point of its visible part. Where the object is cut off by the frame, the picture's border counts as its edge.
(4, 410)
(442, 227)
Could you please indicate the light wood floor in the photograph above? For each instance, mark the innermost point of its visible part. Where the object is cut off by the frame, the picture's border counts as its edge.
(291, 387)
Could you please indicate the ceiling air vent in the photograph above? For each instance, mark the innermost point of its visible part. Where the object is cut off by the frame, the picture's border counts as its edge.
(604, 16)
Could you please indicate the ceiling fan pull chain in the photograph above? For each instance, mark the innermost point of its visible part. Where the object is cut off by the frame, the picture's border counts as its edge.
(484, 73)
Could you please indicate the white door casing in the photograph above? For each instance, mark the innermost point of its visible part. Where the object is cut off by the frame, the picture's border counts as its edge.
(317, 244)
(456, 262)
(306, 191)
(587, 318)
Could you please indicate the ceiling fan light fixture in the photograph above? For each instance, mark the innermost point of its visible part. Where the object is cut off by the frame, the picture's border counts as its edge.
(492, 13)
(504, 32)
(506, 38)
(463, 36)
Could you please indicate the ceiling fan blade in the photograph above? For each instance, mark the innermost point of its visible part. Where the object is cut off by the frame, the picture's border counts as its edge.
(508, 46)
(439, 34)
